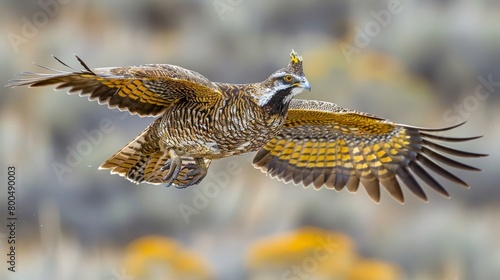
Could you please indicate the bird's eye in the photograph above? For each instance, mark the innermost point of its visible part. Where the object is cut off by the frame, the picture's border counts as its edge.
(288, 78)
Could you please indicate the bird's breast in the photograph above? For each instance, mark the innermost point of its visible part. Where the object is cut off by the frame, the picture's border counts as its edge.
(225, 129)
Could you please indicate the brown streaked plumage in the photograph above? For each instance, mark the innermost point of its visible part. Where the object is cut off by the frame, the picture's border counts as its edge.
(199, 120)
(309, 142)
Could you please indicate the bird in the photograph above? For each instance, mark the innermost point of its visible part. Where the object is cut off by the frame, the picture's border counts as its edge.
(306, 142)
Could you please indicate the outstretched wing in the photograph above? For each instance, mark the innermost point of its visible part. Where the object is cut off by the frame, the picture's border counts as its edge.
(145, 90)
(324, 144)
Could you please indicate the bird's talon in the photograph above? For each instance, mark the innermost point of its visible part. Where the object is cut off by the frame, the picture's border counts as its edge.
(173, 164)
(195, 174)
(167, 165)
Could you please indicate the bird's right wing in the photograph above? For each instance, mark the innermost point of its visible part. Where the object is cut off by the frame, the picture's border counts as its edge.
(326, 145)
(145, 90)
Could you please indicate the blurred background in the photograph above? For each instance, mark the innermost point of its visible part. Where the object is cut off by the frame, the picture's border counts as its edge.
(426, 63)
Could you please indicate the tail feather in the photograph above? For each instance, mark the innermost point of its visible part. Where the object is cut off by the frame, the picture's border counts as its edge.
(133, 163)
(128, 161)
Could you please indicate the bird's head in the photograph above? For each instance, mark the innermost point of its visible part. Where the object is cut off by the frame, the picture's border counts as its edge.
(284, 84)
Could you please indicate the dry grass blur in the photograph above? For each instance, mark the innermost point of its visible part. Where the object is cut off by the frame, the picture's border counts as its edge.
(423, 68)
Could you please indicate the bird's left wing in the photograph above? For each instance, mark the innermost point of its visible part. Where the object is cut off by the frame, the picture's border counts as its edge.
(146, 90)
(326, 145)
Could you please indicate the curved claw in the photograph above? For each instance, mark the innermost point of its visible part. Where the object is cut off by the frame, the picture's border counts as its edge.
(193, 170)
(167, 165)
(196, 173)
(173, 164)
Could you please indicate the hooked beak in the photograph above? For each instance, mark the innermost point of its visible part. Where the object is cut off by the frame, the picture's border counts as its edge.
(305, 84)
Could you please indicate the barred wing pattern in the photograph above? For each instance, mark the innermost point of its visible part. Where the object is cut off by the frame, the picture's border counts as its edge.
(325, 145)
(145, 90)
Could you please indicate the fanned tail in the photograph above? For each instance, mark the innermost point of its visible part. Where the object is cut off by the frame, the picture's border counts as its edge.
(133, 163)
(141, 165)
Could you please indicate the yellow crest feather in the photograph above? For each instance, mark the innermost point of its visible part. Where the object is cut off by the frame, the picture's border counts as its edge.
(295, 58)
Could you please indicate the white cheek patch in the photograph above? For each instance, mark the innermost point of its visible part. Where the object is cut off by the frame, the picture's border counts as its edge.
(266, 97)
(295, 91)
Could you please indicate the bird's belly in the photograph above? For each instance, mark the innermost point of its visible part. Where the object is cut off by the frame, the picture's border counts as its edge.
(212, 136)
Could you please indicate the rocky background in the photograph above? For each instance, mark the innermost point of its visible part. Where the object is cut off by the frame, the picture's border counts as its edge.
(426, 63)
